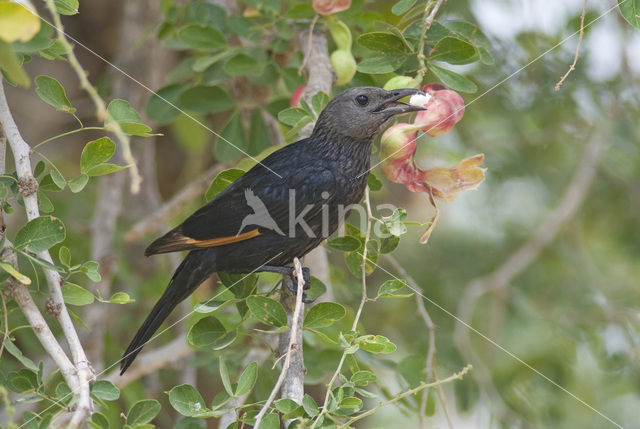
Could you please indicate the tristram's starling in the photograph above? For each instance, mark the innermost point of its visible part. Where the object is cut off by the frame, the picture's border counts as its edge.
(283, 207)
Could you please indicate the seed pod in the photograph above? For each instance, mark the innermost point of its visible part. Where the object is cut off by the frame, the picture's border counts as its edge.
(344, 65)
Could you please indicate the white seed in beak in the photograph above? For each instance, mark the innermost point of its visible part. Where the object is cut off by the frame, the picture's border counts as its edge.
(419, 99)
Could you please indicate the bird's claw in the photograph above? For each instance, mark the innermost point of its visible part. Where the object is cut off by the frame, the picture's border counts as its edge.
(293, 286)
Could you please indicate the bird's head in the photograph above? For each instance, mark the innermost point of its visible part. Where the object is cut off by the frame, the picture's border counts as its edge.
(361, 112)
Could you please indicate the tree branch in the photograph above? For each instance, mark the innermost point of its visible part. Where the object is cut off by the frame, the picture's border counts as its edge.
(294, 346)
(28, 188)
(151, 361)
(157, 220)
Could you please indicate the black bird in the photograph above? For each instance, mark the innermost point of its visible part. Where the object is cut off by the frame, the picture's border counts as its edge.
(302, 187)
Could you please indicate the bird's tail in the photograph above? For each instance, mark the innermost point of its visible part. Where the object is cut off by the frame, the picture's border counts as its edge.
(187, 277)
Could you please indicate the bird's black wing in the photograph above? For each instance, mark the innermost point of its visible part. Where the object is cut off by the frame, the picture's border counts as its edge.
(238, 214)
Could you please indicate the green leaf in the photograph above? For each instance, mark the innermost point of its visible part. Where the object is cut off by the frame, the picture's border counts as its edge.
(76, 295)
(121, 111)
(267, 311)
(270, 421)
(362, 378)
(121, 298)
(351, 403)
(96, 152)
(222, 180)
(15, 273)
(52, 93)
(58, 178)
(316, 290)
(395, 223)
(17, 22)
(402, 6)
(310, 406)
(291, 116)
(373, 182)
(98, 421)
(67, 7)
(452, 79)
(473, 35)
(64, 254)
(377, 344)
(345, 244)
(77, 184)
(12, 66)
(242, 64)
(385, 43)
(452, 51)
(247, 379)
(286, 405)
(392, 288)
(319, 101)
(186, 400)
(381, 65)
(17, 353)
(136, 129)
(143, 412)
(207, 332)
(231, 143)
(160, 107)
(100, 170)
(41, 262)
(323, 314)
(40, 234)
(201, 37)
(224, 376)
(106, 390)
(630, 11)
(206, 99)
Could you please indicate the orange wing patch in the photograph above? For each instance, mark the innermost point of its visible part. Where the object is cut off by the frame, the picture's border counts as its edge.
(223, 240)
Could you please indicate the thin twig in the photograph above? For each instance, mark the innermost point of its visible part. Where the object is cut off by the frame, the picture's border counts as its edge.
(28, 188)
(307, 53)
(572, 67)
(430, 10)
(292, 342)
(356, 319)
(395, 399)
(101, 110)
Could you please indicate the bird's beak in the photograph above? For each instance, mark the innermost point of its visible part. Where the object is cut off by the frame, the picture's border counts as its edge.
(391, 105)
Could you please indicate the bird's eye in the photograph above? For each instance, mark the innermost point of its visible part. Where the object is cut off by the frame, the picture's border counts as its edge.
(362, 100)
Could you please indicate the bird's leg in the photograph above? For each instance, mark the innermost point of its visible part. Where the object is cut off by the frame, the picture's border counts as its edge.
(290, 271)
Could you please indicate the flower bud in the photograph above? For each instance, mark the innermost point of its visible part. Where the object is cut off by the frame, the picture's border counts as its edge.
(295, 97)
(344, 65)
(445, 109)
(397, 147)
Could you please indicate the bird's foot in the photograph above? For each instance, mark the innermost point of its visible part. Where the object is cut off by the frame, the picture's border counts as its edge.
(292, 286)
